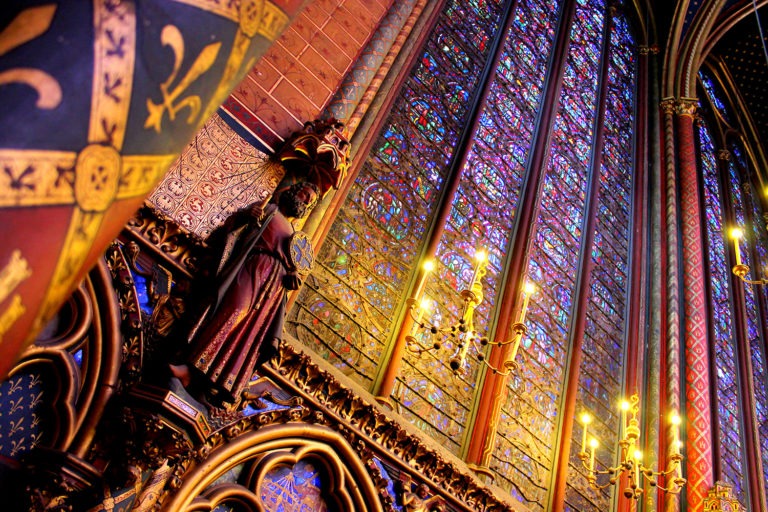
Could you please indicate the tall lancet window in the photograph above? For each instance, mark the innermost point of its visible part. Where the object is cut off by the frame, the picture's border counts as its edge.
(470, 146)
(737, 309)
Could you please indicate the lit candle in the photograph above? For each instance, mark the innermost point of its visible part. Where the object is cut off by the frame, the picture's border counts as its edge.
(586, 419)
(592, 446)
(480, 257)
(736, 234)
(675, 420)
(427, 267)
(624, 409)
(423, 307)
(528, 289)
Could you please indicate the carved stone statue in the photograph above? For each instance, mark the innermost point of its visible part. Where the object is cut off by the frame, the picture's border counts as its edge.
(420, 500)
(262, 256)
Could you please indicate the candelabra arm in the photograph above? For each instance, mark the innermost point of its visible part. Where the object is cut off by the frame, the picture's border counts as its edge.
(676, 487)
(506, 368)
(741, 270)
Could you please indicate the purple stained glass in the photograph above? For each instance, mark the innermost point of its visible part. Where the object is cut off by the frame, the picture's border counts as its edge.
(729, 422)
(713, 94)
(293, 489)
(348, 308)
(393, 144)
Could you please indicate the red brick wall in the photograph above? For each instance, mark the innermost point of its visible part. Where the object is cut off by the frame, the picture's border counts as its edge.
(297, 76)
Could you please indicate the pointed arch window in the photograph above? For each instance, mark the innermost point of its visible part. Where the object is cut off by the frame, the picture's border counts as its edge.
(737, 310)
(566, 164)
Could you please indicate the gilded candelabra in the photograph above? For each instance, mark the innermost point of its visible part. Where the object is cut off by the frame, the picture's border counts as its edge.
(463, 331)
(740, 269)
(631, 458)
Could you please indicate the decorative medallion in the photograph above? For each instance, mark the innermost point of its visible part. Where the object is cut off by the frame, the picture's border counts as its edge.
(301, 252)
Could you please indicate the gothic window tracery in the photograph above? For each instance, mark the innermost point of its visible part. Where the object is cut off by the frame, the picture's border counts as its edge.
(390, 212)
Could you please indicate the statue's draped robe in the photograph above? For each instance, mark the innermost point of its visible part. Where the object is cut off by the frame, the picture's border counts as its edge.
(251, 305)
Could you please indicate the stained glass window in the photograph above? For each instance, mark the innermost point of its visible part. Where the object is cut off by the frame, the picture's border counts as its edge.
(293, 489)
(602, 348)
(349, 310)
(354, 302)
(726, 377)
(734, 198)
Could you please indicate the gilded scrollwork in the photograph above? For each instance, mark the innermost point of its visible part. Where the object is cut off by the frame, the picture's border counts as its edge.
(182, 249)
(365, 426)
(130, 313)
(720, 498)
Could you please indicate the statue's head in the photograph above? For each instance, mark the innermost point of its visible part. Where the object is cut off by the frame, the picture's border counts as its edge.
(298, 200)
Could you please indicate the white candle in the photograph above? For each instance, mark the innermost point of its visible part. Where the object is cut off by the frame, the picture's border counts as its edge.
(592, 445)
(675, 419)
(624, 409)
(480, 257)
(638, 456)
(736, 234)
(528, 290)
(427, 267)
(585, 420)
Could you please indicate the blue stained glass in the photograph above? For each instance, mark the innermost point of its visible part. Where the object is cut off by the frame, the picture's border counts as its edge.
(726, 355)
(455, 52)
(426, 119)
(714, 94)
(457, 98)
(490, 182)
(387, 210)
(296, 489)
(393, 145)
(371, 253)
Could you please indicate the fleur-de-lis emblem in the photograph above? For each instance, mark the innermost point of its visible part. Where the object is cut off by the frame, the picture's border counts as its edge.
(15, 385)
(172, 38)
(27, 25)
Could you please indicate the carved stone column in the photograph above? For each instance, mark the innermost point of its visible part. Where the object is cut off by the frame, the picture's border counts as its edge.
(670, 257)
(696, 335)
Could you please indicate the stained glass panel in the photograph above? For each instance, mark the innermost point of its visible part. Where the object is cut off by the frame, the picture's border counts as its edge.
(351, 305)
(293, 489)
(602, 347)
(552, 266)
(726, 357)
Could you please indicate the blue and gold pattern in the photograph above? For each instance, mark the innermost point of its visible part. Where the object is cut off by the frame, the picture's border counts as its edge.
(302, 254)
(20, 425)
(97, 98)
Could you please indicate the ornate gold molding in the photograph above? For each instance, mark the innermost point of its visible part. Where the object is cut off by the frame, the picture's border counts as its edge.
(724, 155)
(130, 315)
(720, 498)
(686, 106)
(648, 50)
(183, 250)
(367, 428)
(667, 106)
(680, 106)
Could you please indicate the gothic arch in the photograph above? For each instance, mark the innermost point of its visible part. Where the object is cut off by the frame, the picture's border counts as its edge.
(347, 484)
